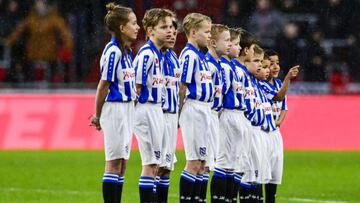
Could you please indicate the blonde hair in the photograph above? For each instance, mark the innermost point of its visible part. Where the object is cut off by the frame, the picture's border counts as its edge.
(258, 50)
(235, 33)
(217, 29)
(116, 15)
(153, 16)
(192, 20)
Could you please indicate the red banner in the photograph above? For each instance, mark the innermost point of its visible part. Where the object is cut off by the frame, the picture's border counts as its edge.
(60, 121)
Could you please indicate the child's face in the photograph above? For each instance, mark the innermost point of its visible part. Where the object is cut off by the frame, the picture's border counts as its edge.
(202, 33)
(274, 66)
(235, 48)
(131, 28)
(264, 72)
(255, 64)
(163, 31)
(171, 43)
(249, 53)
(223, 44)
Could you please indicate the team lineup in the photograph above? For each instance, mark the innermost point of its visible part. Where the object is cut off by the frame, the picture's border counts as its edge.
(228, 102)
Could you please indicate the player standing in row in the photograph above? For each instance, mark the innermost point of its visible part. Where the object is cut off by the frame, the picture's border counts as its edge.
(247, 43)
(170, 102)
(218, 46)
(149, 119)
(275, 91)
(115, 96)
(196, 95)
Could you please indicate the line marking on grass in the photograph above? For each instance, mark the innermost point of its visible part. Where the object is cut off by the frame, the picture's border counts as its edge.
(69, 192)
(296, 199)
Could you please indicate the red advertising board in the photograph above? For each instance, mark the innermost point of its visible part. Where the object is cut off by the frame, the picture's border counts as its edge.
(60, 121)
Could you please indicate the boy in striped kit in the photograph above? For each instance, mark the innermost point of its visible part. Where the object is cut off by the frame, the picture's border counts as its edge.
(196, 95)
(275, 92)
(149, 118)
(170, 108)
(115, 98)
(247, 43)
(218, 46)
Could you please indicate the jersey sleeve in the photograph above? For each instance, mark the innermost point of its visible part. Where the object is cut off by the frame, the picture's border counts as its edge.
(142, 64)
(187, 66)
(228, 77)
(111, 60)
(284, 104)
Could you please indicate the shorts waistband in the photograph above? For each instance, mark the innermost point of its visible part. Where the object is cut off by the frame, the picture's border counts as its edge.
(150, 104)
(198, 102)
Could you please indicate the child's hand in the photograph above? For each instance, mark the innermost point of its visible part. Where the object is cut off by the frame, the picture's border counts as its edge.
(293, 72)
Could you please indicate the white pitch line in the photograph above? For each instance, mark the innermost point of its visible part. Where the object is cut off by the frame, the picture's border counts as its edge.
(70, 192)
(296, 199)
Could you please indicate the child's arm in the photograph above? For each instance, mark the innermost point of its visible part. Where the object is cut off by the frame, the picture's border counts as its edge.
(281, 118)
(280, 95)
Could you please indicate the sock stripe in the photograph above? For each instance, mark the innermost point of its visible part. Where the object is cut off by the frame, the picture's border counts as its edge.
(219, 170)
(110, 178)
(146, 182)
(199, 178)
(205, 178)
(246, 185)
(188, 176)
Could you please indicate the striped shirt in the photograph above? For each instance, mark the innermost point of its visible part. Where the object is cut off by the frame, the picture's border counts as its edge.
(116, 67)
(148, 65)
(196, 73)
(217, 79)
(249, 96)
(233, 88)
(170, 99)
(259, 118)
(269, 125)
(270, 91)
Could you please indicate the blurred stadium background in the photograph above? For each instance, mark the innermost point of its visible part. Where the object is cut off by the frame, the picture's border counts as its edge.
(49, 56)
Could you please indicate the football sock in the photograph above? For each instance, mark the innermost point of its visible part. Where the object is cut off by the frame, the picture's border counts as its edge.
(146, 189)
(187, 182)
(110, 188)
(218, 185)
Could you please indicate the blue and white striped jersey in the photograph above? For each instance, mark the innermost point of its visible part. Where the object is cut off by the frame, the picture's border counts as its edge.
(269, 125)
(217, 79)
(233, 88)
(249, 96)
(170, 100)
(148, 65)
(196, 73)
(259, 118)
(270, 91)
(116, 67)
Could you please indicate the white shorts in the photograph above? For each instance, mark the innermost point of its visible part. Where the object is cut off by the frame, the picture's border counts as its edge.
(264, 167)
(213, 140)
(277, 157)
(169, 141)
(195, 127)
(231, 135)
(116, 121)
(149, 127)
(255, 155)
(243, 143)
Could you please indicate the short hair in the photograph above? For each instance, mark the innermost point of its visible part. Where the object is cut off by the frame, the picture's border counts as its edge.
(116, 15)
(217, 29)
(192, 20)
(258, 50)
(270, 52)
(153, 16)
(247, 39)
(235, 33)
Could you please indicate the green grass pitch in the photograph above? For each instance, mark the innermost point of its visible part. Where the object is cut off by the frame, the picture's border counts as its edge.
(75, 176)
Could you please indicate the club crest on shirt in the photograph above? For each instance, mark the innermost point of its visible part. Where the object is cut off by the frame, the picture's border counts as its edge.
(157, 154)
(202, 151)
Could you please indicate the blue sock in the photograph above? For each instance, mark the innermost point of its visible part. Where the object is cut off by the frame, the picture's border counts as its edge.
(218, 185)
(110, 187)
(146, 188)
(187, 183)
